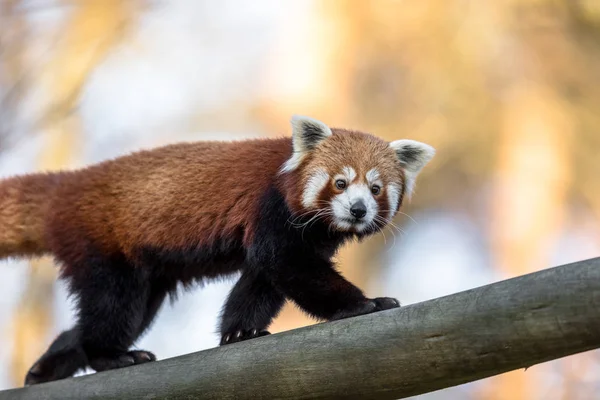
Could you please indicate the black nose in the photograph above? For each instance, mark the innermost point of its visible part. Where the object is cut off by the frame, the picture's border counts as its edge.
(358, 209)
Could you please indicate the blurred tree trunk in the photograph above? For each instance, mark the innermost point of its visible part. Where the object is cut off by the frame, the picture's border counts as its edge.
(13, 37)
(93, 27)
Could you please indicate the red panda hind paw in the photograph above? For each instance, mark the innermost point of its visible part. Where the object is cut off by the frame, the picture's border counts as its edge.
(35, 375)
(241, 335)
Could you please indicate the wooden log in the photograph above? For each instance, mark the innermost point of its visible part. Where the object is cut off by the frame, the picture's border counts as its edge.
(393, 354)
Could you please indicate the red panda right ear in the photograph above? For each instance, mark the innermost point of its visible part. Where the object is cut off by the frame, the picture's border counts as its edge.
(413, 156)
(307, 133)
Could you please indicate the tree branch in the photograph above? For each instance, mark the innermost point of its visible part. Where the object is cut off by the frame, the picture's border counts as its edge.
(393, 354)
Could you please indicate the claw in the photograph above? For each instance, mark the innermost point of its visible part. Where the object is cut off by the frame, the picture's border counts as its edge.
(241, 335)
(386, 303)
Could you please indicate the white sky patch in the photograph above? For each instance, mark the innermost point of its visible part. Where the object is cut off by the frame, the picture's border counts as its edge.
(314, 186)
(185, 59)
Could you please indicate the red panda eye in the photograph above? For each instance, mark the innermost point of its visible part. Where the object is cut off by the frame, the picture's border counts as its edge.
(375, 190)
(340, 184)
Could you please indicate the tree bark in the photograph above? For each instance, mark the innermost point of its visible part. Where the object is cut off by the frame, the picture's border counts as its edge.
(393, 354)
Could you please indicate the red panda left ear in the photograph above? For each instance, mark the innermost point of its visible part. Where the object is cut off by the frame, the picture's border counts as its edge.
(413, 156)
(307, 133)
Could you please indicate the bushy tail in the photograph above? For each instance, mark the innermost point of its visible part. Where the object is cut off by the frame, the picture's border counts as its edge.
(24, 201)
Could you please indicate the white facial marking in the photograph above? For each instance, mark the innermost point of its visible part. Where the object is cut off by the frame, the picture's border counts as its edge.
(314, 186)
(341, 204)
(393, 191)
(372, 176)
(349, 173)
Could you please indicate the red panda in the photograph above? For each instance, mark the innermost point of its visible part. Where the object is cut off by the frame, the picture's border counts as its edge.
(126, 232)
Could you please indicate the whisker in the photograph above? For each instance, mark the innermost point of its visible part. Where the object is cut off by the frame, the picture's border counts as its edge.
(310, 220)
(411, 218)
(304, 214)
(391, 225)
(372, 224)
(400, 230)
(402, 213)
(322, 215)
(393, 245)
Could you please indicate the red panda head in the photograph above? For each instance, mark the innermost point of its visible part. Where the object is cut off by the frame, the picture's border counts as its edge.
(353, 180)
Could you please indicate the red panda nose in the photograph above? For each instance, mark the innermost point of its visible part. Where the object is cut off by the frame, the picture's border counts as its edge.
(358, 209)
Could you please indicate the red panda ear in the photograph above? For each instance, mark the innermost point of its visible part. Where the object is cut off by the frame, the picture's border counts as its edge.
(307, 133)
(413, 156)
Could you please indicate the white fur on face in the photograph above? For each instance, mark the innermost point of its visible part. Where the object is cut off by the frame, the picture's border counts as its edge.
(314, 186)
(349, 173)
(373, 176)
(393, 192)
(341, 203)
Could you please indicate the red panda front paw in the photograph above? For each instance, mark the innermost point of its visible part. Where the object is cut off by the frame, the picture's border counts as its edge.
(142, 356)
(367, 307)
(241, 335)
(124, 360)
(385, 303)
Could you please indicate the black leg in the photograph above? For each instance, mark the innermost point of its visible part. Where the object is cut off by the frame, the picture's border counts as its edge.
(63, 359)
(155, 299)
(250, 308)
(322, 292)
(157, 295)
(113, 299)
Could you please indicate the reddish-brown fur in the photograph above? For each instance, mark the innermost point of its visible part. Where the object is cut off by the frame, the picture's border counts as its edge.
(23, 207)
(170, 197)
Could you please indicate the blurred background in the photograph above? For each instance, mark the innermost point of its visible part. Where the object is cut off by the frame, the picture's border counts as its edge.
(507, 91)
